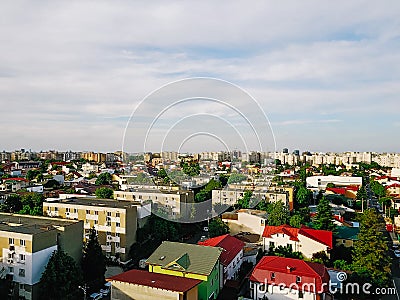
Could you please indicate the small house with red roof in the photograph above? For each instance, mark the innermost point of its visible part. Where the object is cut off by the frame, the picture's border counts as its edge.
(288, 278)
(393, 189)
(143, 285)
(305, 240)
(231, 256)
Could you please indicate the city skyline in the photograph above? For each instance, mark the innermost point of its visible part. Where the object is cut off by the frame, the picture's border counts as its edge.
(326, 75)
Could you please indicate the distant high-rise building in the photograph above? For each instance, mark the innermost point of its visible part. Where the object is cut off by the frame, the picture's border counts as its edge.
(285, 150)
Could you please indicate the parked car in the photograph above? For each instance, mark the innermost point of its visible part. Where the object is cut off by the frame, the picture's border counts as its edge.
(95, 296)
(397, 253)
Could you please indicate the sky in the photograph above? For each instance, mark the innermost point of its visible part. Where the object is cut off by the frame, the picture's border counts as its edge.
(326, 75)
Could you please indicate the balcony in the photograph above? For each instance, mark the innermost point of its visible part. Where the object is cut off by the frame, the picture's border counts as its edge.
(119, 250)
(92, 217)
(106, 248)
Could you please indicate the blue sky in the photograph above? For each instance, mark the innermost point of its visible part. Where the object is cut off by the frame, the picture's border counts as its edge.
(327, 74)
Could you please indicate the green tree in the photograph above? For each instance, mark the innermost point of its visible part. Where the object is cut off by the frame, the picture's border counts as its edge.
(164, 230)
(93, 263)
(12, 204)
(324, 217)
(32, 174)
(370, 255)
(32, 204)
(296, 220)
(206, 192)
(244, 202)
(236, 178)
(278, 214)
(303, 197)
(217, 227)
(285, 251)
(104, 179)
(61, 278)
(104, 193)
(378, 189)
(191, 168)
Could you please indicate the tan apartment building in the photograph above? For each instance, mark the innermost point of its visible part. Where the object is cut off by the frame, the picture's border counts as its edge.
(173, 202)
(26, 245)
(115, 221)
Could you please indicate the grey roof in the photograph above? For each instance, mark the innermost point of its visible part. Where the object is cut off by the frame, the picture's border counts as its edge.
(185, 257)
(30, 224)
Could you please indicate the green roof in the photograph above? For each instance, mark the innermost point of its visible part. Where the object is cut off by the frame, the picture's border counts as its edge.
(185, 257)
(347, 233)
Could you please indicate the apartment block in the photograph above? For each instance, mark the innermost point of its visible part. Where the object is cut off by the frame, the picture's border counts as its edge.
(26, 244)
(115, 221)
(170, 201)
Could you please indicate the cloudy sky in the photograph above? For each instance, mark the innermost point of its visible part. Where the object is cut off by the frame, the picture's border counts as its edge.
(327, 74)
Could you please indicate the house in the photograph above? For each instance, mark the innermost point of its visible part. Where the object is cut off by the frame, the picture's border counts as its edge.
(346, 236)
(246, 220)
(393, 189)
(231, 256)
(190, 261)
(321, 182)
(143, 285)
(288, 278)
(26, 245)
(115, 221)
(305, 240)
(14, 184)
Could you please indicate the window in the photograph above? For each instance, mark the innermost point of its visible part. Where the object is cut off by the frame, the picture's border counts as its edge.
(108, 244)
(88, 212)
(21, 273)
(22, 257)
(272, 276)
(108, 223)
(55, 208)
(118, 224)
(22, 242)
(75, 210)
(96, 222)
(109, 214)
(117, 234)
(117, 245)
(96, 213)
(67, 209)
(108, 233)
(11, 269)
(271, 244)
(11, 241)
(298, 279)
(117, 214)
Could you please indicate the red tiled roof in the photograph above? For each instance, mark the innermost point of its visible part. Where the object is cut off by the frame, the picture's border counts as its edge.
(392, 185)
(287, 269)
(155, 280)
(15, 179)
(231, 245)
(321, 236)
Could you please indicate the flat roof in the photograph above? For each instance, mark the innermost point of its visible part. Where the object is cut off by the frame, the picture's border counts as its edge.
(31, 224)
(95, 202)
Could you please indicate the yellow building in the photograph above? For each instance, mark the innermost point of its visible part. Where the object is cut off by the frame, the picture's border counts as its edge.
(143, 285)
(115, 221)
(26, 244)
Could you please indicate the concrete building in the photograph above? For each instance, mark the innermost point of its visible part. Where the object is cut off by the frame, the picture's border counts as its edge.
(115, 221)
(246, 220)
(320, 182)
(26, 244)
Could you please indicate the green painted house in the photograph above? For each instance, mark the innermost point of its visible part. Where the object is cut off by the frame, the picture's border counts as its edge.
(190, 261)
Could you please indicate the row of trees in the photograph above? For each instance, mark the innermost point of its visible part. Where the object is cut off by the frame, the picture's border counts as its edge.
(29, 203)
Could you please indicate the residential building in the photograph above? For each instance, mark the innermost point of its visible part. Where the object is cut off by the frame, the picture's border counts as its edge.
(346, 236)
(143, 285)
(231, 196)
(321, 182)
(231, 257)
(190, 261)
(305, 240)
(173, 202)
(246, 220)
(278, 278)
(393, 190)
(115, 221)
(26, 244)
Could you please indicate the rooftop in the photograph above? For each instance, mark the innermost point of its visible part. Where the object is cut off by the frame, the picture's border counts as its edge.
(231, 245)
(31, 224)
(155, 280)
(185, 257)
(90, 201)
